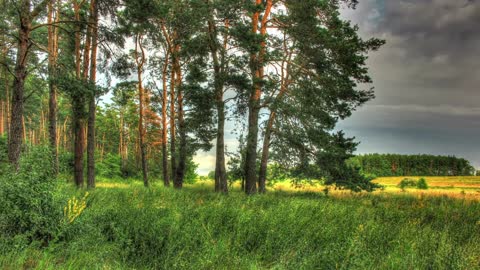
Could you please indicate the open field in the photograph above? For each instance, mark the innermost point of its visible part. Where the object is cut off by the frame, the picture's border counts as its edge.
(125, 226)
(461, 187)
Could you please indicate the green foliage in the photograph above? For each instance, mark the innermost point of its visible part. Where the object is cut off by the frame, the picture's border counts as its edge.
(30, 211)
(412, 165)
(65, 161)
(328, 164)
(422, 183)
(3, 154)
(407, 183)
(109, 166)
(158, 228)
(191, 172)
(410, 183)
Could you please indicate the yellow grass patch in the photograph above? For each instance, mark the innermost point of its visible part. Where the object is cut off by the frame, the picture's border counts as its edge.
(112, 185)
(460, 187)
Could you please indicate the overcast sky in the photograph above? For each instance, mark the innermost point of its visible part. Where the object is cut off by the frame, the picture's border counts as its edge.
(426, 80)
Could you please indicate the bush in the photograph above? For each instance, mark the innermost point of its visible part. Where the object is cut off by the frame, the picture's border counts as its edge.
(406, 182)
(3, 154)
(422, 183)
(110, 166)
(65, 161)
(29, 210)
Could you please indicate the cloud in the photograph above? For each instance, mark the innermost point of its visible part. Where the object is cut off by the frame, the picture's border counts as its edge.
(426, 80)
(426, 77)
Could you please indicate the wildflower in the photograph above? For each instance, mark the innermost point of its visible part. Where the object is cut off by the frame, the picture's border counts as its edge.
(74, 208)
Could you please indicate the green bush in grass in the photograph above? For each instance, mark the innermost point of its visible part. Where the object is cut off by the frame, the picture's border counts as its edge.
(422, 183)
(406, 182)
(29, 210)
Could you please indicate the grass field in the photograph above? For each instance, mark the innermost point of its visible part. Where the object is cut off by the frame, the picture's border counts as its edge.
(461, 187)
(125, 226)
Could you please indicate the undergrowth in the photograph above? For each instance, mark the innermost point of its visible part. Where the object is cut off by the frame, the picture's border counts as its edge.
(130, 227)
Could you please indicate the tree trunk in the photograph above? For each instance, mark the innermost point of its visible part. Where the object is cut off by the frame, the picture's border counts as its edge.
(173, 134)
(16, 124)
(285, 82)
(78, 129)
(141, 129)
(52, 101)
(92, 106)
(251, 148)
(121, 144)
(7, 107)
(2, 117)
(257, 69)
(253, 111)
(262, 176)
(78, 102)
(166, 178)
(182, 157)
(221, 184)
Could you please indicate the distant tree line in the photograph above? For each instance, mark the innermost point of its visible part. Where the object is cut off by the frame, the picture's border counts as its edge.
(412, 165)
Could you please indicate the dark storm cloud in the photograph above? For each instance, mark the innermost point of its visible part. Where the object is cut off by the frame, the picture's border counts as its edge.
(426, 78)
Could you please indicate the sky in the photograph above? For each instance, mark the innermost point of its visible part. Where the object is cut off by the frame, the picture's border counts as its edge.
(426, 80)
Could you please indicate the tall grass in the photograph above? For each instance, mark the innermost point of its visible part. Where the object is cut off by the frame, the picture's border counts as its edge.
(135, 228)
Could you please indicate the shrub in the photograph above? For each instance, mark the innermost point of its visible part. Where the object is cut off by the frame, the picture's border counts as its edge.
(29, 210)
(65, 161)
(406, 182)
(3, 154)
(422, 183)
(110, 166)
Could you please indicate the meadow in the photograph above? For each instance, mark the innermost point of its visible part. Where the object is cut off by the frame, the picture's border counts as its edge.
(460, 187)
(122, 225)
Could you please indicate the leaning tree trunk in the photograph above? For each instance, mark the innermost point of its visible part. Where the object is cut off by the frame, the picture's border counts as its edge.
(262, 176)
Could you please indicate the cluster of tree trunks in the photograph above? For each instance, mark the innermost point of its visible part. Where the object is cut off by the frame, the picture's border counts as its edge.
(252, 20)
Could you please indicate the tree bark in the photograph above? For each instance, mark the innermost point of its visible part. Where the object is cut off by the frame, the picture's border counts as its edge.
(221, 184)
(79, 139)
(7, 107)
(262, 175)
(92, 106)
(284, 85)
(166, 178)
(253, 111)
(257, 69)
(173, 151)
(140, 59)
(52, 101)
(16, 124)
(78, 101)
(182, 155)
(2, 117)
